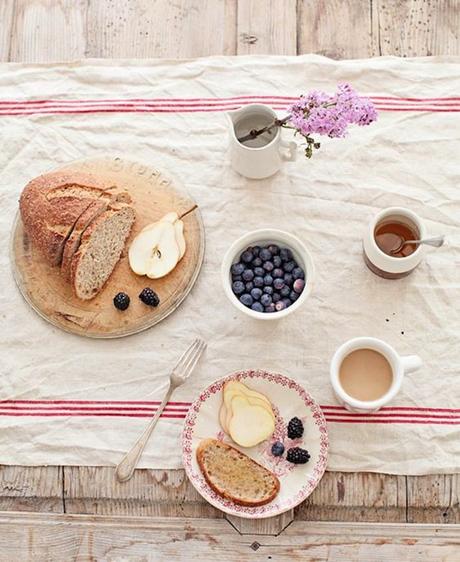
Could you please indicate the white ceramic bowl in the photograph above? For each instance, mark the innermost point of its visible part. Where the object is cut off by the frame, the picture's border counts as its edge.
(262, 238)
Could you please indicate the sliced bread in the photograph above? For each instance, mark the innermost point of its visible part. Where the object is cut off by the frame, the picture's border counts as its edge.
(51, 204)
(95, 209)
(234, 475)
(100, 250)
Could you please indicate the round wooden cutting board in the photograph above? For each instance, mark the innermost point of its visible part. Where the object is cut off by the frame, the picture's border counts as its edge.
(154, 194)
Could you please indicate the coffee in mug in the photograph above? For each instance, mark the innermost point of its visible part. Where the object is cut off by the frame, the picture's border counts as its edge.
(365, 374)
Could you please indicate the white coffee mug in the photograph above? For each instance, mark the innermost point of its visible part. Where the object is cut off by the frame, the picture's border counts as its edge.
(262, 161)
(399, 366)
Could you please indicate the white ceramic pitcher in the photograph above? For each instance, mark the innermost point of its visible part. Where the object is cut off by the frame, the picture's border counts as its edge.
(263, 156)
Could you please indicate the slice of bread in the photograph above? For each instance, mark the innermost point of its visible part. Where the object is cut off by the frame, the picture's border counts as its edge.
(234, 475)
(71, 246)
(100, 250)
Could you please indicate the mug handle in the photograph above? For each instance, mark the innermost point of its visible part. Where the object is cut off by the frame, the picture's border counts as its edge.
(411, 363)
(291, 148)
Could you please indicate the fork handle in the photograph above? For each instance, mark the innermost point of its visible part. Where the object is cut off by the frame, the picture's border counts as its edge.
(125, 468)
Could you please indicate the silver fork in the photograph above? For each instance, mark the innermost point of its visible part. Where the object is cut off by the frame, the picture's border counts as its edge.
(179, 375)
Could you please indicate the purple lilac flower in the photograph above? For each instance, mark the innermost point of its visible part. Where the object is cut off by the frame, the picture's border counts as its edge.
(330, 115)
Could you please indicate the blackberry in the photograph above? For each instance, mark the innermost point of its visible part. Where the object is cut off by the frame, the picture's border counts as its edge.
(295, 428)
(296, 455)
(277, 449)
(149, 297)
(121, 301)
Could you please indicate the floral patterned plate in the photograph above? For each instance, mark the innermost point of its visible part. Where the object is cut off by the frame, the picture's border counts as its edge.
(288, 399)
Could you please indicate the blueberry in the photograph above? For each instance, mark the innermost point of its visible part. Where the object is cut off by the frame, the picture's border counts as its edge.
(280, 306)
(298, 273)
(276, 297)
(293, 296)
(247, 256)
(256, 293)
(277, 449)
(274, 249)
(270, 308)
(284, 292)
(248, 275)
(268, 290)
(259, 271)
(289, 266)
(258, 281)
(278, 284)
(256, 262)
(268, 279)
(288, 279)
(237, 269)
(268, 266)
(246, 299)
(257, 307)
(287, 302)
(277, 261)
(298, 286)
(256, 250)
(236, 278)
(278, 272)
(285, 254)
(265, 254)
(265, 299)
(249, 286)
(238, 288)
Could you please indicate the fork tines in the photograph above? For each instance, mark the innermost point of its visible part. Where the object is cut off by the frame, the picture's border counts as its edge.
(189, 359)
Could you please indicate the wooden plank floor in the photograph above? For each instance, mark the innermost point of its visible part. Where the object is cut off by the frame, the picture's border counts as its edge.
(64, 30)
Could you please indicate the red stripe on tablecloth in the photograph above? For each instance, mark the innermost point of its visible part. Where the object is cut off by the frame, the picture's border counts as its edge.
(188, 404)
(227, 99)
(366, 418)
(194, 110)
(386, 420)
(397, 409)
(178, 410)
(134, 402)
(190, 105)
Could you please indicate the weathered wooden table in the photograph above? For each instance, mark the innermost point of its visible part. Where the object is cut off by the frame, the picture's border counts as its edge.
(82, 513)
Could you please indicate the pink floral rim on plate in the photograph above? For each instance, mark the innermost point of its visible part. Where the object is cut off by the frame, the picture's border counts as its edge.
(276, 506)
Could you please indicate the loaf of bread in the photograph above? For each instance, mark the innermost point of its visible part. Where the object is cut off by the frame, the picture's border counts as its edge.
(234, 475)
(64, 214)
(50, 206)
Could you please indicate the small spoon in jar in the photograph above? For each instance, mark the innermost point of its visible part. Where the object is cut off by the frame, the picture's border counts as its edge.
(436, 241)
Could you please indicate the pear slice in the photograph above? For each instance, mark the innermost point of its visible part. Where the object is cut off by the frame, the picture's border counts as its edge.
(223, 417)
(179, 228)
(250, 425)
(230, 393)
(248, 391)
(143, 246)
(165, 253)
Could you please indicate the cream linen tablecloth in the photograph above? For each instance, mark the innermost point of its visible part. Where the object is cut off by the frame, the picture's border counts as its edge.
(409, 158)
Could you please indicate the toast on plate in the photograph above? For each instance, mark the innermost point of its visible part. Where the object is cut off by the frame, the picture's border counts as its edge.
(234, 475)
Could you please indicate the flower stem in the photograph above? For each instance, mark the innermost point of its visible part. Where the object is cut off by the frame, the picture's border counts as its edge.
(257, 132)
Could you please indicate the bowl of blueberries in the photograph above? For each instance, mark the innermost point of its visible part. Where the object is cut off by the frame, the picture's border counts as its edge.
(267, 274)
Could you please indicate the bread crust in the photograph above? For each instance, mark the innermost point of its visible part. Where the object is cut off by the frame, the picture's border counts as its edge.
(199, 457)
(51, 204)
